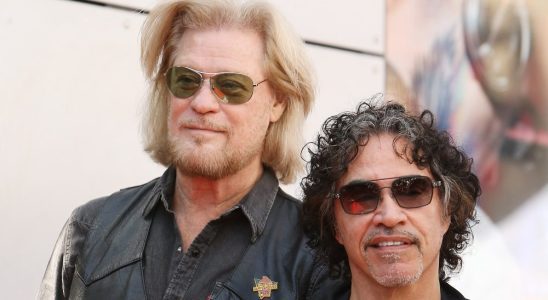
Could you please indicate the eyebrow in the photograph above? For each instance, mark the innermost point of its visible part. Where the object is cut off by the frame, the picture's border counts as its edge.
(356, 181)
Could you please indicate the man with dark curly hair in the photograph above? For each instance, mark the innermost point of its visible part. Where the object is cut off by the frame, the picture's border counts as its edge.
(389, 202)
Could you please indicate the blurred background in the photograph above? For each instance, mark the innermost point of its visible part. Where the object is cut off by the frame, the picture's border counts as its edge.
(72, 95)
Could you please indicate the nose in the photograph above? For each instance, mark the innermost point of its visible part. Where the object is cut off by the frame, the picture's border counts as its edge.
(388, 212)
(204, 101)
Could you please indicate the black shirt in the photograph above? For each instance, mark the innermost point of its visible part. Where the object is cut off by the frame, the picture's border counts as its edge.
(171, 274)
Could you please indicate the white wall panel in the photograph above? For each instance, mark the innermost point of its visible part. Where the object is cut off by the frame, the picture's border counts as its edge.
(355, 24)
(71, 95)
(137, 4)
(71, 92)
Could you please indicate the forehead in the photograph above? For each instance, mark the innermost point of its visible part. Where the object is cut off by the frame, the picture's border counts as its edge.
(233, 49)
(379, 159)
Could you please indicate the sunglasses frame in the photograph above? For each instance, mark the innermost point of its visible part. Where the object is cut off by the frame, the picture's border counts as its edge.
(210, 76)
(434, 184)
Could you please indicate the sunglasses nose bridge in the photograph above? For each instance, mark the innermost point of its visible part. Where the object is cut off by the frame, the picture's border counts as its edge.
(388, 193)
(204, 98)
(203, 77)
(388, 212)
(211, 81)
(210, 77)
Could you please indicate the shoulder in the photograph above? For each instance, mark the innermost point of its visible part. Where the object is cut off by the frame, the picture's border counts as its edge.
(289, 200)
(450, 293)
(287, 214)
(127, 198)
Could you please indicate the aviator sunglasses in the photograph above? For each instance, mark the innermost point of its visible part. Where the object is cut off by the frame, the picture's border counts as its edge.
(413, 191)
(228, 87)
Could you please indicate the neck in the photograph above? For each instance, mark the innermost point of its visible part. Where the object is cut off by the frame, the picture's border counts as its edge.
(214, 195)
(426, 287)
(411, 292)
(199, 200)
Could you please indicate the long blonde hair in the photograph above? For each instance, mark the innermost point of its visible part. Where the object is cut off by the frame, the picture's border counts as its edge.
(286, 66)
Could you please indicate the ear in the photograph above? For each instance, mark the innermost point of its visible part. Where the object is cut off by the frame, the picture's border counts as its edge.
(277, 109)
(445, 222)
(337, 234)
(444, 210)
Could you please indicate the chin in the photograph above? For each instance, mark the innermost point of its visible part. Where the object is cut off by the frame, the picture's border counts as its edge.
(397, 275)
(397, 280)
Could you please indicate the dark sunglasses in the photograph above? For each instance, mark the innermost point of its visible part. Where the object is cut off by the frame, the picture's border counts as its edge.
(231, 88)
(409, 192)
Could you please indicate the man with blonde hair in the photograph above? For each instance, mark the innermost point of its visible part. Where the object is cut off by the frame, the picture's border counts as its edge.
(230, 88)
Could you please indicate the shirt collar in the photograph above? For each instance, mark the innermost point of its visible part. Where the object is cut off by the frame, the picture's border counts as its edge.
(162, 191)
(256, 205)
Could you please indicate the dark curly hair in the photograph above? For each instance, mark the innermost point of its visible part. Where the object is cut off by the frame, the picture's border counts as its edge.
(337, 146)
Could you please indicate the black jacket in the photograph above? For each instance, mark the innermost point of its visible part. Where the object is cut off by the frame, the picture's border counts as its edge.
(99, 253)
(449, 293)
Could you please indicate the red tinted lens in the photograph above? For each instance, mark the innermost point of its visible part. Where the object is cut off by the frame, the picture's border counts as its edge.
(359, 198)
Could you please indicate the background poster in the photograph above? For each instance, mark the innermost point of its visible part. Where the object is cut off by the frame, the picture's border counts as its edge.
(482, 67)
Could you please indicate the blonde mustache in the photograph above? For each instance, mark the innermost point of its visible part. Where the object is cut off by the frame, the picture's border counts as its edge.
(202, 123)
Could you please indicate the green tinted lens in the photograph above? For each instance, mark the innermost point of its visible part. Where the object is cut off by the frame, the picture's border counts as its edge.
(183, 82)
(232, 88)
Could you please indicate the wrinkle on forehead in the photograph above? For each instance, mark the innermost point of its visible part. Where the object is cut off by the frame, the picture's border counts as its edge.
(381, 156)
(402, 147)
(216, 48)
